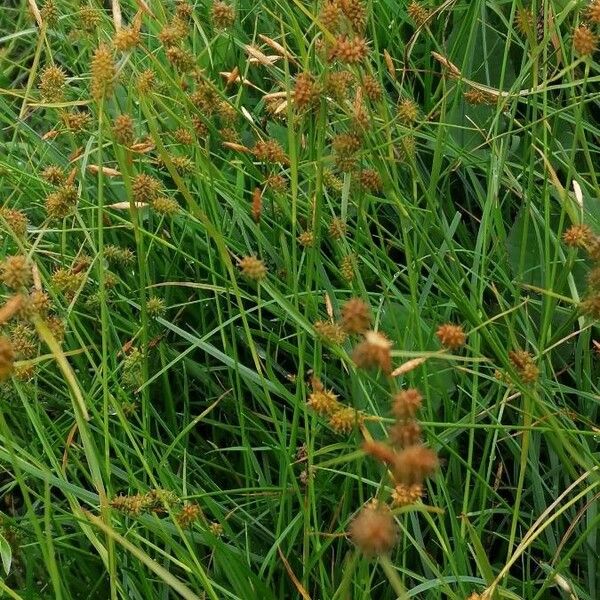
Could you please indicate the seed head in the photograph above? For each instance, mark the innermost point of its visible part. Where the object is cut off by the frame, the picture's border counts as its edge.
(133, 505)
(307, 239)
(184, 136)
(355, 12)
(277, 183)
(223, 14)
(578, 236)
(593, 12)
(337, 228)
(76, 120)
(380, 451)
(165, 206)
(585, 41)
(306, 91)
(183, 10)
(53, 174)
(405, 433)
(593, 279)
(370, 180)
(252, 268)
(49, 12)
(406, 404)
(330, 15)
(344, 419)
(477, 96)
(270, 151)
(324, 402)
(349, 50)
(52, 83)
(414, 464)
(418, 13)
(127, 38)
(330, 333)
(408, 111)
(16, 221)
(346, 144)
(7, 357)
(103, 72)
(590, 306)
(89, 18)
(61, 202)
(451, 336)
(188, 514)
(123, 129)
(372, 88)
(405, 495)
(339, 84)
(146, 82)
(145, 187)
(183, 60)
(331, 182)
(156, 307)
(347, 267)
(524, 21)
(524, 365)
(356, 316)
(15, 272)
(374, 352)
(374, 531)
(23, 342)
(173, 33)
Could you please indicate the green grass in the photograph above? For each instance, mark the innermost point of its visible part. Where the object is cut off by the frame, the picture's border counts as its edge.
(209, 400)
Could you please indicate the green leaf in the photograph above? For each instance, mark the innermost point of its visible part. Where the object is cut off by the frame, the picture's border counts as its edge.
(5, 554)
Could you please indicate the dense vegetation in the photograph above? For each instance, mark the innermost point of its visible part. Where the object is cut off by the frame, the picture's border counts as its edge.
(299, 299)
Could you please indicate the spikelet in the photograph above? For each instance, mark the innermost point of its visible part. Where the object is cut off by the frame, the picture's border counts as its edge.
(344, 419)
(323, 401)
(52, 83)
(15, 272)
(270, 151)
(356, 316)
(252, 268)
(123, 129)
(306, 91)
(223, 14)
(418, 13)
(524, 365)
(16, 221)
(451, 336)
(372, 88)
(355, 12)
(374, 352)
(373, 531)
(165, 206)
(330, 15)
(337, 228)
(408, 111)
(329, 332)
(405, 495)
(103, 72)
(592, 13)
(7, 357)
(585, 41)
(578, 236)
(349, 50)
(414, 464)
(406, 404)
(128, 38)
(188, 515)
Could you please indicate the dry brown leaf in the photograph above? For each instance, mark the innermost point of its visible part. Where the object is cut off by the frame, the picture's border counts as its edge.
(390, 64)
(10, 308)
(409, 365)
(127, 205)
(105, 170)
(237, 147)
(142, 147)
(50, 135)
(277, 47)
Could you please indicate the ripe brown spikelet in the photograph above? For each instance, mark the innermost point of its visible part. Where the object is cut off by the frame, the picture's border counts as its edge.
(380, 451)
(578, 236)
(184, 136)
(277, 183)
(256, 208)
(414, 464)
(133, 505)
(103, 72)
(418, 13)
(16, 221)
(329, 332)
(408, 111)
(188, 514)
(38, 303)
(89, 18)
(372, 88)
(52, 83)
(53, 174)
(7, 358)
(374, 352)
(451, 336)
(337, 228)
(146, 82)
(356, 316)
(585, 41)
(49, 12)
(344, 419)
(476, 96)
(373, 531)
(223, 14)
(407, 403)
(306, 91)
(61, 202)
(183, 10)
(593, 279)
(590, 305)
(592, 13)
(370, 180)
(323, 401)
(15, 272)
(23, 342)
(349, 50)
(123, 129)
(307, 239)
(183, 60)
(145, 187)
(346, 144)
(355, 12)
(407, 148)
(173, 33)
(270, 151)
(339, 84)
(127, 38)
(330, 15)
(252, 268)
(405, 495)
(524, 365)
(76, 120)
(405, 433)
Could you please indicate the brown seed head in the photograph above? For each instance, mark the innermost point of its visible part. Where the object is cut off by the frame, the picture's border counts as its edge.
(16, 221)
(346, 144)
(277, 183)
(451, 336)
(349, 50)
(15, 272)
(407, 403)
(592, 13)
(380, 451)
(53, 174)
(337, 228)
(405, 433)
(61, 202)
(252, 268)
(476, 96)
(173, 33)
(418, 13)
(183, 60)
(408, 111)
(372, 88)
(356, 316)
(223, 15)
(270, 151)
(585, 41)
(76, 120)
(578, 236)
(7, 357)
(590, 306)
(146, 82)
(50, 12)
(165, 206)
(373, 531)
(306, 91)
(145, 187)
(414, 464)
(127, 38)
(370, 180)
(355, 12)
(374, 352)
(307, 239)
(330, 15)
(123, 129)
(524, 365)
(188, 514)
(89, 18)
(339, 84)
